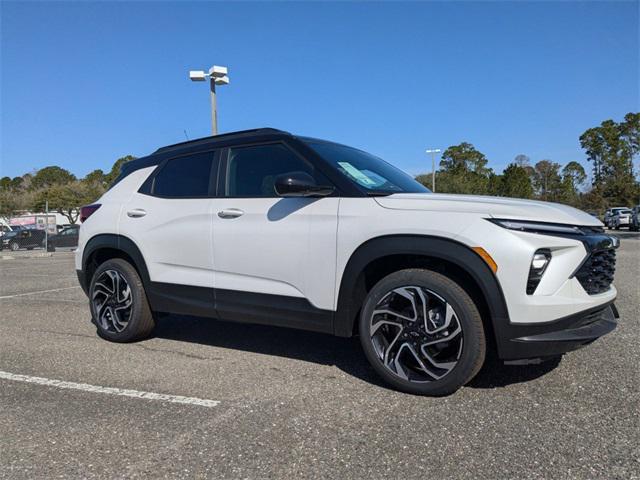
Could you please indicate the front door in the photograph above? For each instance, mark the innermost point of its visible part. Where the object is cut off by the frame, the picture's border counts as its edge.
(273, 255)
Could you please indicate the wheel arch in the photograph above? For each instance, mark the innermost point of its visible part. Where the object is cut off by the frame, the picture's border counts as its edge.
(381, 256)
(106, 246)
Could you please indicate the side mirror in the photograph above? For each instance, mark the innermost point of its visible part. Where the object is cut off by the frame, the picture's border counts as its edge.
(300, 184)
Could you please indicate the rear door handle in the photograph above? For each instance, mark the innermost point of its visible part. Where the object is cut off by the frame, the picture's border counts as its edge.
(136, 213)
(230, 213)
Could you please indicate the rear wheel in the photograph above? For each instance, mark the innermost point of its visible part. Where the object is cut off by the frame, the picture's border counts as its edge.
(119, 305)
(422, 333)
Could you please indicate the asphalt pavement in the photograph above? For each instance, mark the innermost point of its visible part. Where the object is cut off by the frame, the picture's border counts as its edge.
(212, 399)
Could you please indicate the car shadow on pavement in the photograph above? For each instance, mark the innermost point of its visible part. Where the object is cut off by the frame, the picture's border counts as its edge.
(495, 374)
(344, 353)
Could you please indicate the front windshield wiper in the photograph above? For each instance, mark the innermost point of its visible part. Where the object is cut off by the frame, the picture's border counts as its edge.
(379, 193)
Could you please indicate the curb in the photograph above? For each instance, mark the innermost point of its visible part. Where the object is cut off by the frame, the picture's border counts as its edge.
(34, 255)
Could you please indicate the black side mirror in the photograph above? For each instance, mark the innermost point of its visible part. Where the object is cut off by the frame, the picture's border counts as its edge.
(300, 184)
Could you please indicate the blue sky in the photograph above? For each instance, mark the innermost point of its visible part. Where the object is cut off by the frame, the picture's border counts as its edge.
(84, 83)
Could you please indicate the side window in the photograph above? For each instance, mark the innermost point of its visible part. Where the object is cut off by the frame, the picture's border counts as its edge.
(185, 177)
(252, 171)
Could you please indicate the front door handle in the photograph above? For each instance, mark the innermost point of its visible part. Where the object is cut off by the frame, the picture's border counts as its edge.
(136, 213)
(230, 213)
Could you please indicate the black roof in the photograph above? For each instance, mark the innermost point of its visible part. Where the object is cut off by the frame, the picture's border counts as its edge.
(224, 137)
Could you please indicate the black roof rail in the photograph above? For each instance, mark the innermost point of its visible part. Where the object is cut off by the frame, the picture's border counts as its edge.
(223, 136)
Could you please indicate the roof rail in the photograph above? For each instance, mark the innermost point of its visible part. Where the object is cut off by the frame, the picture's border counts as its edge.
(224, 136)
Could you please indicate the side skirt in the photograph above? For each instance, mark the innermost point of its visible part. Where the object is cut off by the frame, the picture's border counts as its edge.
(237, 306)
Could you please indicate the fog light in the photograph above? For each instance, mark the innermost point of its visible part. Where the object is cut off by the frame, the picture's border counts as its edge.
(538, 266)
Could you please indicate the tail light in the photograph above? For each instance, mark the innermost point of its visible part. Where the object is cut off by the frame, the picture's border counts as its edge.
(87, 211)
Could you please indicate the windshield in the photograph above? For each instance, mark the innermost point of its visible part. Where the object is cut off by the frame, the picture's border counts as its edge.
(370, 173)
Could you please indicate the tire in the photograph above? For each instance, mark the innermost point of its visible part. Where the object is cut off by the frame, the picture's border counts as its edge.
(380, 336)
(14, 247)
(113, 321)
(617, 227)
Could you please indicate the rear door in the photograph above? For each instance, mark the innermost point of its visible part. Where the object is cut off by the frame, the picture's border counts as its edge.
(170, 220)
(274, 257)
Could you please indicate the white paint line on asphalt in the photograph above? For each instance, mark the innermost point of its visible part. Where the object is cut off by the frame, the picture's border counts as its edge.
(85, 387)
(39, 291)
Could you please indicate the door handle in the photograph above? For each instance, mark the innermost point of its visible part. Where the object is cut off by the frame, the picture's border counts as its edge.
(230, 213)
(136, 213)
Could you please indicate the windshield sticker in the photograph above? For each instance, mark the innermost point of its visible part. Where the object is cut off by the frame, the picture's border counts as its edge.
(357, 174)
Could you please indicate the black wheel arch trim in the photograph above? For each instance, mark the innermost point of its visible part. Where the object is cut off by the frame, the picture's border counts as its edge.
(421, 245)
(116, 242)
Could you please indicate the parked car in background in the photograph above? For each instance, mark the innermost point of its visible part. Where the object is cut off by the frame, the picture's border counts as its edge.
(23, 238)
(67, 237)
(608, 216)
(635, 219)
(622, 218)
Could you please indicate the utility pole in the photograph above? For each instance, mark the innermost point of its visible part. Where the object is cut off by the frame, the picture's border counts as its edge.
(217, 76)
(433, 152)
(46, 225)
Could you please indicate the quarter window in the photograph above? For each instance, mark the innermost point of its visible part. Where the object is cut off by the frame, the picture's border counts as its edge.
(185, 177)
(252, 171)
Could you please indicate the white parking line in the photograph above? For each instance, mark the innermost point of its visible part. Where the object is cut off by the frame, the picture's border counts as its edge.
(39, 291)
(109, 390)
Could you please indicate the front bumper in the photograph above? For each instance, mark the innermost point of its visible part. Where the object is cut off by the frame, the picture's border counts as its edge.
(519, 342)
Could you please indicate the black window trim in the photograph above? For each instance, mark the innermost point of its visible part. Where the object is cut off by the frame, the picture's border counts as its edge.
(224, 167)
(148, 186)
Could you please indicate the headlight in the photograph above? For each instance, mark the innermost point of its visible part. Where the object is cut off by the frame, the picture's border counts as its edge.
(539, 264)
(536, 227)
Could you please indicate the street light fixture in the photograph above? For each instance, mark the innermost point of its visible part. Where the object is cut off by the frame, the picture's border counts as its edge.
(217, 76)
(433, 152)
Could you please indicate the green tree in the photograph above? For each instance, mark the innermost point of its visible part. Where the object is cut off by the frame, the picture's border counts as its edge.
(96, 177)
(464, 158)
(547, 180)
(573, 177)
(611, 147)
(67, 199)
(5, 183)
(52, 175)
(8, 204)
(117, 166)
(515, 182)
(463, 169)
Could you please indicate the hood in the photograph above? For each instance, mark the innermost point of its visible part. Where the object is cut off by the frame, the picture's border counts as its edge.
(498, 207)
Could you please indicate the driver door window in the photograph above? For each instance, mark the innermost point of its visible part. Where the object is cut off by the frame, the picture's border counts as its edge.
(252, 171)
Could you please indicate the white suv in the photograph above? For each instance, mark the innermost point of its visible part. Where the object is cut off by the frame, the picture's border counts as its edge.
(266, 227)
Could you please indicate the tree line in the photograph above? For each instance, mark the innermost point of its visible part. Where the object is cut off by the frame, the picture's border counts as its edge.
(610, 148)
(60, 189)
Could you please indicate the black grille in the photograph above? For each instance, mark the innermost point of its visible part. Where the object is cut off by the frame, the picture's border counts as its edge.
(596, 273)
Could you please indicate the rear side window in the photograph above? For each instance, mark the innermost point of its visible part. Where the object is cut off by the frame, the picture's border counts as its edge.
(185, 177)
(252, 171)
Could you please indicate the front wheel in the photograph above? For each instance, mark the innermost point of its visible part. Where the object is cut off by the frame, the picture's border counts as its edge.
(119, 305)
(422, 333)
(14, 246)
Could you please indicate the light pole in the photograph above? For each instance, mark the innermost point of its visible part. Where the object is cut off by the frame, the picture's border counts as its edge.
(217, 76)
(433, 152)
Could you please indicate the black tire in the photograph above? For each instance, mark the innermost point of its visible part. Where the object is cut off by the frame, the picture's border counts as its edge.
(14, 246)
(141, 322)
(473, 343)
